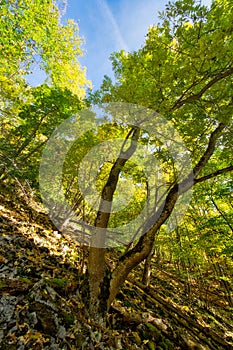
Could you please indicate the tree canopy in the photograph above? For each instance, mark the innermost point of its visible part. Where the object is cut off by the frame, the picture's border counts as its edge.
(170, 104)
(183, 71)
(34, 36)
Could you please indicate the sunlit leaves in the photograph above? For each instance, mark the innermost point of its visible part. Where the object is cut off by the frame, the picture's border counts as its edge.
(184, 71)
(33, 35)
(83, 186)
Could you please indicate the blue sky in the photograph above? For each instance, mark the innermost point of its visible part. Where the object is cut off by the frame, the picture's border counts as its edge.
(108, 26)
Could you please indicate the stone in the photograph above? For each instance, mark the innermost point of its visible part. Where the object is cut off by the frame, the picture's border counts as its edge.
(7, 308)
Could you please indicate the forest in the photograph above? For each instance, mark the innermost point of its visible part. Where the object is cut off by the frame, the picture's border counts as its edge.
(116, 205)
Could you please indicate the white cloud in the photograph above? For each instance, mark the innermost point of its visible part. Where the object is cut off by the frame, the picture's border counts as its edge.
(135, 20)
(116, 31)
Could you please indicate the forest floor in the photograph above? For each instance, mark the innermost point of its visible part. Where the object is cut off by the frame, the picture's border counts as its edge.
(42, 288)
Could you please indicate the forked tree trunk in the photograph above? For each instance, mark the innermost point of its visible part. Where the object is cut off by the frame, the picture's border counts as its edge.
(108, 287)
(98, 279)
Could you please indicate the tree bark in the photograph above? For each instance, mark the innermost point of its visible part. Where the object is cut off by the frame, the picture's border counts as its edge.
(96, 264)
(142, 249)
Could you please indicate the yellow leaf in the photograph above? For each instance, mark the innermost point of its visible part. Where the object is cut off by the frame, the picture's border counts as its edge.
(187, 25)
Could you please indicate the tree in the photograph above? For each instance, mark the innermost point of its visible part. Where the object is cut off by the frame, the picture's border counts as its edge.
(184, 71)
(32, 34)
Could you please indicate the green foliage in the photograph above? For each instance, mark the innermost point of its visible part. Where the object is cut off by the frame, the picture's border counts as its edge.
(206, 230)
(32, 33)
(184, 71)
(23, 143)
(131, 172)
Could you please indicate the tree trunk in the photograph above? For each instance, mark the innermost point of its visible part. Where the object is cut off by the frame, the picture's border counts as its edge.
(98, 276)
(142, 249)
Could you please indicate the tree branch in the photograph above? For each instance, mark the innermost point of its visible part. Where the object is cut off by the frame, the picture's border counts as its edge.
(209, 151)
(142, 249)
(194, 97)
(108, 191)
(216, 173)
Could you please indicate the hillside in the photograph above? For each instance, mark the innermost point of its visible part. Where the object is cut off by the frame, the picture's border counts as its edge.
(42, 286)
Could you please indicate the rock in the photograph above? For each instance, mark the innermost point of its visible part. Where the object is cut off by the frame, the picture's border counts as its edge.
(7, 308)
(61, 332)
(32, 319)
(45, 316)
